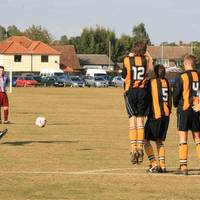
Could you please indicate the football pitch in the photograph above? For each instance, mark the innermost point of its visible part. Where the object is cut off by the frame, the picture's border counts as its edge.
(83, 152)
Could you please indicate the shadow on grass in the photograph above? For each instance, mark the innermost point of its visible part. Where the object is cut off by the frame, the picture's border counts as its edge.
(85, 149)
(21, 143)
(191, 172)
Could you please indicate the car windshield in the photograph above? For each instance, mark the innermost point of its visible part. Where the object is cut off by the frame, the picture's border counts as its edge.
(99, 74)
(29, 78)
(99, 79)
(63, 76)
(58, 74)
(75, 79)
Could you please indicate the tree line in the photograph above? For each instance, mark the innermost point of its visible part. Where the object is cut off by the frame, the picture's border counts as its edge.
(92, 40)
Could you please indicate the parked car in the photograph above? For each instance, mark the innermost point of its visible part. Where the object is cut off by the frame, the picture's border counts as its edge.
(77, 81)
(38, 78)
(48, 81)
(107, 78)
(62, 81)
(96, 81)
(26, 81)
(118, 81)
(14, 79)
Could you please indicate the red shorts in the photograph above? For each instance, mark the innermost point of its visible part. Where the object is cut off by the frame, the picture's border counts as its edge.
(3, 99)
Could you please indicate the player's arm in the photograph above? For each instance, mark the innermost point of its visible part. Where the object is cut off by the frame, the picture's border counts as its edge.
(149, 62)
(170, 98)
(177, 91)
(124, 70)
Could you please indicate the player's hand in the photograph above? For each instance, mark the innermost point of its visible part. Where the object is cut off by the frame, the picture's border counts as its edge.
(196, 108)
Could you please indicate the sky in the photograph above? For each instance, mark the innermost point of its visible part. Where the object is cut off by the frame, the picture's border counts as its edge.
(165, 20)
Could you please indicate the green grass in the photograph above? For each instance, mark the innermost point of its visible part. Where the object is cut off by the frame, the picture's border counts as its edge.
(87, 130)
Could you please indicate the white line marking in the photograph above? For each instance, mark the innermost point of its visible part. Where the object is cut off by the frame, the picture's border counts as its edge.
(108, 172)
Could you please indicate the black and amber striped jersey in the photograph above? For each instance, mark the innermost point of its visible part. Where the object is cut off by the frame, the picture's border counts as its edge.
(134, 72)
(160, 98)
(186, 90)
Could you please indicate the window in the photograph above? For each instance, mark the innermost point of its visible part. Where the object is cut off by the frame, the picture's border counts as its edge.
(44, 58)
(179, 63)
(17, 58)
(164, 62)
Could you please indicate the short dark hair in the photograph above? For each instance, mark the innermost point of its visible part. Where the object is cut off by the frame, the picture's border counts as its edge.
(139, 48)
(159, 71)
(191, 59)
(1, 67)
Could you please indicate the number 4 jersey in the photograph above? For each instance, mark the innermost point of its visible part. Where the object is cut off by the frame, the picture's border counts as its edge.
(160, 102)
(186, 90)
(134, 72)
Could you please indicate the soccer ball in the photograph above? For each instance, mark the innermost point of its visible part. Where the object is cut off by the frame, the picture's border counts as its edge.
(41, 122)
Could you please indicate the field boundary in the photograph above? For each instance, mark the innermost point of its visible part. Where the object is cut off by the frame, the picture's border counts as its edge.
(107, 172)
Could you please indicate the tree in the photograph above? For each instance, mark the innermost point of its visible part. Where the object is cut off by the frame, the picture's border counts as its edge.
(168, 44)
(123, 46)
(96, 41)
(140, 34)
(38, 33)
(196, 52)
(64, 40)
(3, 33)
(13, 31)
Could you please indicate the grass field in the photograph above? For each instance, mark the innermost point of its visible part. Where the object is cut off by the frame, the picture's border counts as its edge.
(83, 152)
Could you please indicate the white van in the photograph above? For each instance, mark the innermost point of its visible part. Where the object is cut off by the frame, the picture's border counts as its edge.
(96, 72)
(50, 72)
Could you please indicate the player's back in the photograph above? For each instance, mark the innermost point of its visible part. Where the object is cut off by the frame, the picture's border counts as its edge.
(186, 88)
(135, 72)
(160, 98)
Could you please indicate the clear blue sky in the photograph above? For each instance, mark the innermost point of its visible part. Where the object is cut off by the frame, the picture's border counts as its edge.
(165, 20)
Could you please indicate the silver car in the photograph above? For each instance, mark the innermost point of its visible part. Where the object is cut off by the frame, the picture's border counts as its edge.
(96, 81)
(118, 81)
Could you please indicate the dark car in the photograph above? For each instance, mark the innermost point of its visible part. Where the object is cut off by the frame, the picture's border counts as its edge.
(62, 81)
(14, 79)
(48, 81)
(77, 81)
(38, 78)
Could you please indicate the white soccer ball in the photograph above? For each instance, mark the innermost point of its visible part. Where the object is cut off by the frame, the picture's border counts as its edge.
(41, 122)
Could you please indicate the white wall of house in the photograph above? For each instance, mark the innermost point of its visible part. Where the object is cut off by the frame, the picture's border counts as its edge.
(53, 62)
(8, 61)
(29, 63)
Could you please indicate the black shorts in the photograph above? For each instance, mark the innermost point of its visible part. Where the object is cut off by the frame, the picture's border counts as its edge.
(188, 120)
(136, 101)
(156, 128)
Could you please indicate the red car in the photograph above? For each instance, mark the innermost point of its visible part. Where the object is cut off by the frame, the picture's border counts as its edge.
(26, 81)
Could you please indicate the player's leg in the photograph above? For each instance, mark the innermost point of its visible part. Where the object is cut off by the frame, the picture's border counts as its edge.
(183, 152)
(0, 116)
(3, 133)
(5, 108)
(152, 159)
(196, 137)
(140, 138)
(133, 139)
(161, 155)
(6, 112)
(196, 131)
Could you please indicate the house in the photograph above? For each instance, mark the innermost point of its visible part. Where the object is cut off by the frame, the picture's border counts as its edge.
(69, 61)
(169, 56)
(20, 54)
(96, 61)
